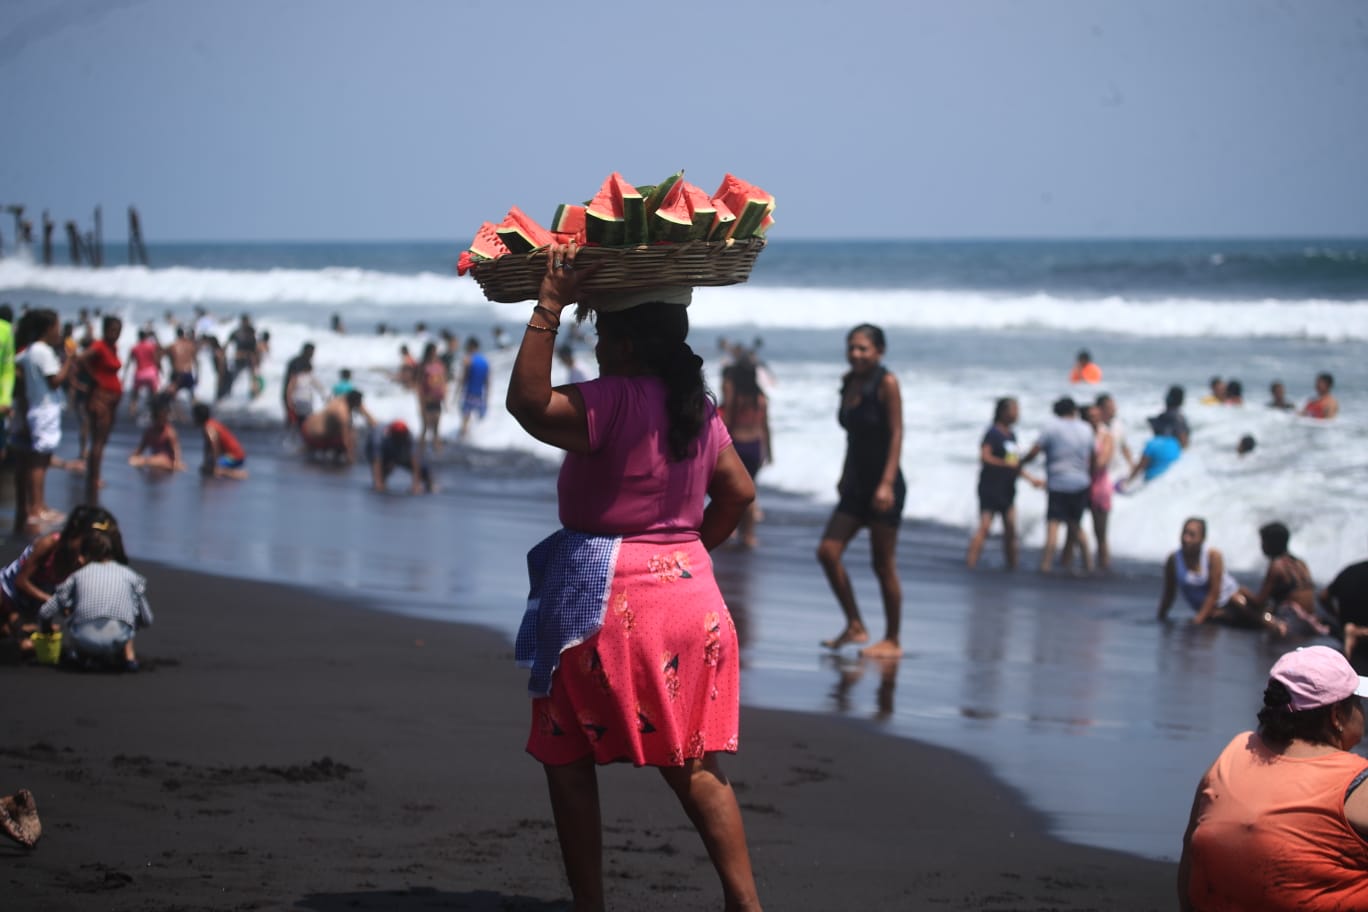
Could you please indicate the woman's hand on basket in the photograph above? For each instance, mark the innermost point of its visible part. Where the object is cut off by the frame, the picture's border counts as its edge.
(560, 285)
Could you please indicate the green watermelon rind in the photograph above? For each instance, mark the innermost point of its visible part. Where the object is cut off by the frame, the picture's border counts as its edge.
(634, 217)
(749, 219)
(604, 230)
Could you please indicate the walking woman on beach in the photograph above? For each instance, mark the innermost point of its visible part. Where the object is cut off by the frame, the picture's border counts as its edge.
(633, 653)
(871, 489)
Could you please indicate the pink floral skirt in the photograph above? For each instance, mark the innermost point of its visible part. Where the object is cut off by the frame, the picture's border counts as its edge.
(660, 682)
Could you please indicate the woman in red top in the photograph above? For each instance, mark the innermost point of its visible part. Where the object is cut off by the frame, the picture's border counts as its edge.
(102, 364)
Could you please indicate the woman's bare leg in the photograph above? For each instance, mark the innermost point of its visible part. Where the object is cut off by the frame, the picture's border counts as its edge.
(883, 545)
(1011, 546)
(841, 528)
(708, 799)
(976, 542)
(575, 804)
(1099, 518)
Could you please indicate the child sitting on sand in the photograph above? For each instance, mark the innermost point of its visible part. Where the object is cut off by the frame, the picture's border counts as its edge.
(159, 440)
(101, 605)
(223, 455)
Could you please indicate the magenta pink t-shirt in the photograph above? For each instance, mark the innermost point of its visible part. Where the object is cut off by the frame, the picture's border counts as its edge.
(627, 484)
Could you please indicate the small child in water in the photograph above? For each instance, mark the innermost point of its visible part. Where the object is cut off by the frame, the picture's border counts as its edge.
(160, 441)
(100, 606)
(224, 456)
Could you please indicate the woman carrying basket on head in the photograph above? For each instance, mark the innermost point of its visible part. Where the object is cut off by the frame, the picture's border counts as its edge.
(632, 650)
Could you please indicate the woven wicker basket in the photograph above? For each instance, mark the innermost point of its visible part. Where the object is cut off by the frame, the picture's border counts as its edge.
(517, 276)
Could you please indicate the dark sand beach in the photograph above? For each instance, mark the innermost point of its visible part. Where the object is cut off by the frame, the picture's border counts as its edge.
(329, 718)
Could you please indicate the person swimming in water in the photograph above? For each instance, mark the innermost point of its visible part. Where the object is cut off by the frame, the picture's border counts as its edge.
(1323, 404)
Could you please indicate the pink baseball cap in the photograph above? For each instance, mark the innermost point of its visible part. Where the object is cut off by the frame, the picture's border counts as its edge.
(1317, 676)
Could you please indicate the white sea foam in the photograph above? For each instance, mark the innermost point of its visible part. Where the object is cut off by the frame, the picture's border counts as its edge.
(178, 285)
(817, 308)
(965, 310)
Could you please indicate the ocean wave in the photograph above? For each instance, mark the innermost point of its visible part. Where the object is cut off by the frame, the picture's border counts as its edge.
(759, 305)
(180, 285)
(1333, 321)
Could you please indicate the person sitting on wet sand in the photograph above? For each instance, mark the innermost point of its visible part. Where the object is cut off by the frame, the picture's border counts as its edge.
(1287, 597)
(1347, 600)
(1279, 821)
(329, 431)
(393, 448)
(224, 456)
(1199, 573)
(160, 441)
(1323, 404)
(29, 580)
(102, 605)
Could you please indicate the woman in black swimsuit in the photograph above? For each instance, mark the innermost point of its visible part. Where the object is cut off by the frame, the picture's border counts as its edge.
(871, 489)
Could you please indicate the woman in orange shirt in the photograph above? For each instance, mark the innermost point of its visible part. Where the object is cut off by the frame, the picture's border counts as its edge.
(1280, 820)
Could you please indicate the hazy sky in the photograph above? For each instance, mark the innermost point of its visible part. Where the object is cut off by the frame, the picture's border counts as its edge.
(292, 119)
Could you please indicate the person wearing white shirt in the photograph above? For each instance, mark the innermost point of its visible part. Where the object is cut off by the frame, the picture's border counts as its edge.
(44, 375)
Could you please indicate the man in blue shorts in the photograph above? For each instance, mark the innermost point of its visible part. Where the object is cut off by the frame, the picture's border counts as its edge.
(474, 384)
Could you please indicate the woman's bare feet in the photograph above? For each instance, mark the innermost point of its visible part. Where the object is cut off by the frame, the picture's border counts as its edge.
(19, 818)
(884, 649)
(854, 633)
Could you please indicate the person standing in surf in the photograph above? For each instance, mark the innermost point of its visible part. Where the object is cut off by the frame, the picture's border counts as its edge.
(871, 489)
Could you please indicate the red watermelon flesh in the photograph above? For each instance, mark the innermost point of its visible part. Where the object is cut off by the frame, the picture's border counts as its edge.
(723, 222)
(487, 245)
(748, 202)
(672, 221)
(702, 212)
(604, 219)
(520, 233)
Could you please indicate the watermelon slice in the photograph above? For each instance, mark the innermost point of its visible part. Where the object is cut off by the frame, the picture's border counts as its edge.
(633, 215)
(520, 233)
(655, 196)
(748, 202)
(672, 221)
(487, 245)
(702, 212)
(723, 221)
(569, 219)
(765, 224)
(604, 219)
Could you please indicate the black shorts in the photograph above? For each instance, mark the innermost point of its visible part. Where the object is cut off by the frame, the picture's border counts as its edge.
(996, 500)
(1067, 506)
(857, 502)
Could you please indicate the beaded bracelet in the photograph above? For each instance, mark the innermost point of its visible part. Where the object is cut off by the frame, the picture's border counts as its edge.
(545, 329)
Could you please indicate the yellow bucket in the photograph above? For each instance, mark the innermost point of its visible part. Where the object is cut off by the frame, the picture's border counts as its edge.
(47, 647)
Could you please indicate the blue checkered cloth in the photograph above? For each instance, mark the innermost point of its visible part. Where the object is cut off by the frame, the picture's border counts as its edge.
(571, 574)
